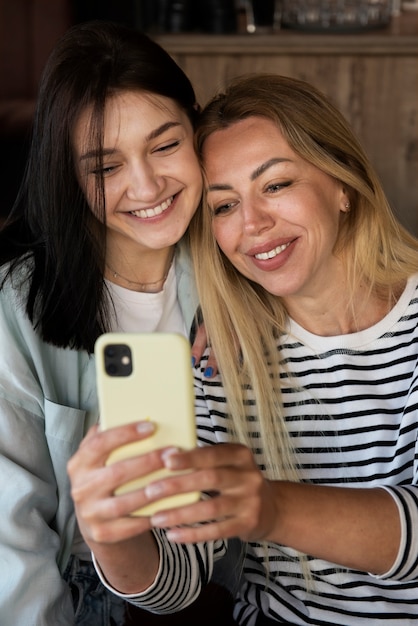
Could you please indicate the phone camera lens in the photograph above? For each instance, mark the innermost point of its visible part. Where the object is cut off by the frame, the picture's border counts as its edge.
(112, 369)
(118, 359)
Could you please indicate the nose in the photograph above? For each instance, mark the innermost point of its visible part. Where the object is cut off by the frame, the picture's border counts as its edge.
(256, 219)
(143, 183)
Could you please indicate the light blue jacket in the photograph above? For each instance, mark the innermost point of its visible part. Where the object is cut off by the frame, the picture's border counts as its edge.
(47, 404)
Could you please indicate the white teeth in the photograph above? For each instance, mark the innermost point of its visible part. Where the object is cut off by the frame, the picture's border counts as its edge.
(155, 211)
(263, 256)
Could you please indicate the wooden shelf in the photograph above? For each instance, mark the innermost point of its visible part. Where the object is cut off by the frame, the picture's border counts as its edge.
(371, 76)
(398, 39)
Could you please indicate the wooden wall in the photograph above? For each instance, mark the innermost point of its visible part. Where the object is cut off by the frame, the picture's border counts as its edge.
(372, 77)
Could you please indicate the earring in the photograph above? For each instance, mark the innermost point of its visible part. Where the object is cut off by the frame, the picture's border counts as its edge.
(347, 205)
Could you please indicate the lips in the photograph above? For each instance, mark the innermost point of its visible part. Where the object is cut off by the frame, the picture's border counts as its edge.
(270, 249)
(270, 254)
(157, 210)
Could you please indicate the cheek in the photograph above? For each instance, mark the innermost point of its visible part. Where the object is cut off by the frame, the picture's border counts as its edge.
(217, 232)
(196, 180)
(190, 164)
(224, 236)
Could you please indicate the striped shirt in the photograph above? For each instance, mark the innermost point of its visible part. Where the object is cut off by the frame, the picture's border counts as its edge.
(351, 405)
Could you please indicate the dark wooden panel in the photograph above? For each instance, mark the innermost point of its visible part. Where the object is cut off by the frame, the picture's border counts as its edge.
(372, 77)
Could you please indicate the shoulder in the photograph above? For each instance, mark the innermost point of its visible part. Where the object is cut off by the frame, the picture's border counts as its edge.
(408, 301)
(18, 335)
(413, 283)
(14, 285)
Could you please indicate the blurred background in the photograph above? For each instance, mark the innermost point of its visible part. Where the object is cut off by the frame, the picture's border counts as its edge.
(362, 53)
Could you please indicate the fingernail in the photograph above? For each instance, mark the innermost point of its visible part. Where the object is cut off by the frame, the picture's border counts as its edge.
(208, 372)
(193, 361)
(167, 457)
(145, 427)
(174, 534)
(159, 520)
(153, 490)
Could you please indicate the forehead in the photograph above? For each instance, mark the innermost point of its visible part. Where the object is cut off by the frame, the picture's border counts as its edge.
(250, 126)
(249, 139)
(127, 110)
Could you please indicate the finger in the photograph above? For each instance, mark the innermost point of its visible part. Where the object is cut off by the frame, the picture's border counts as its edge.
(215, 508)
(224, 529)
(211, 368)
(225, 485)
(200, 343)
(199, 346)
(212, 529)
(209, 520)
(220, 455)
(113, 507)
(210, 480)
(237, 515)
(103, 481)
(98, 444)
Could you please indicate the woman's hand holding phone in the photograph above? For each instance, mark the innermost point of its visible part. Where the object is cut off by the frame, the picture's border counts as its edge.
(102, 516)
(105, 520)
(242, 501)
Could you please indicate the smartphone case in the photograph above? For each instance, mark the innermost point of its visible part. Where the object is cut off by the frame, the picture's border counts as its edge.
(147, 376)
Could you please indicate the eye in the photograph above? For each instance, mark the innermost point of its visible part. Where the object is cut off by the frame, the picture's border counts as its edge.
(275, 187)
(169, 146)
(222, 209)
(104, 171)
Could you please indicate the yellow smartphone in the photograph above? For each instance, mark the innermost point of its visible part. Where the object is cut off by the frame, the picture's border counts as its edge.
(147, 376)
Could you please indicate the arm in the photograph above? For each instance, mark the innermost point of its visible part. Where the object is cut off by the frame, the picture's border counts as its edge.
(32, 590)
(34, 500)
(355, 528)
(343, 525)
(132, 560)
(117, 539)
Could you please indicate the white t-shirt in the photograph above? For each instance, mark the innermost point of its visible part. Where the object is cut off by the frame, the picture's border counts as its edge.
(136, 311)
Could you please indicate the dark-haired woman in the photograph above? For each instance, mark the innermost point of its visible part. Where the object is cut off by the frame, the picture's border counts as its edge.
(95, 242)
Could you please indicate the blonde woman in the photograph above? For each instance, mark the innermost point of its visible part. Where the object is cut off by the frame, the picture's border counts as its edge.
(309, 291)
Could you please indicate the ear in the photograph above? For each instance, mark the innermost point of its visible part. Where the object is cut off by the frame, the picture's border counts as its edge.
(345, 206)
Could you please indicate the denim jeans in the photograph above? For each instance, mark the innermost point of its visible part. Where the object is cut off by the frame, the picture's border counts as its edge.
(93, 604)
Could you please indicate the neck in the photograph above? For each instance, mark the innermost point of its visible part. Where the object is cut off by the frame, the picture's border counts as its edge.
(338, 316)
(142, 278)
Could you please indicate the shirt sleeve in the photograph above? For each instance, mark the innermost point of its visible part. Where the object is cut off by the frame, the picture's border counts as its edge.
(31, 587)
(405, 566)
(184, 569)
(32, 590)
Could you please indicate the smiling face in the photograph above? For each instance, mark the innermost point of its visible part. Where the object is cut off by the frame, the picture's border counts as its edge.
(275, 216)
(152, 179)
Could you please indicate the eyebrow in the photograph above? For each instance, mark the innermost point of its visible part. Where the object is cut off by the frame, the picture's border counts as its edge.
(93, 154)
(265, 166)
(254, 175)
(161, 129)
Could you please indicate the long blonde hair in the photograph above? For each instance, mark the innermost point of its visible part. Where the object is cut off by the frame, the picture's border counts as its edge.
(243, 320)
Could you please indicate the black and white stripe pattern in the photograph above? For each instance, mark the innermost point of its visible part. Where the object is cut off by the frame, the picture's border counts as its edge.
(351, 404)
